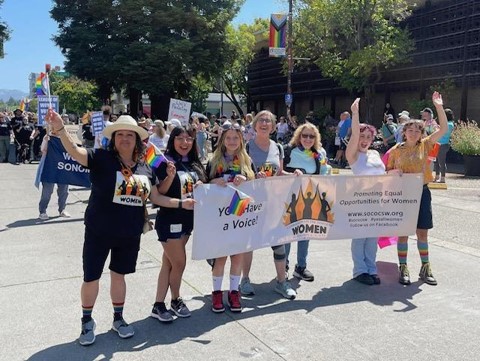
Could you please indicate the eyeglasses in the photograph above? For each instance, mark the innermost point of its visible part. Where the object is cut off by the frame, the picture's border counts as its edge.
(231, 126)
(264, 120)
(184, 139)
(309, 136)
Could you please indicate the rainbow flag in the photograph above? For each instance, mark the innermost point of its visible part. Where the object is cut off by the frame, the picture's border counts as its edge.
(154, 156)
(39, 84)
(22, 105)
(278, 35)
(238, 204)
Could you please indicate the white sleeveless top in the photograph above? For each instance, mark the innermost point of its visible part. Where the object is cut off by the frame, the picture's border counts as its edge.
(368, 163)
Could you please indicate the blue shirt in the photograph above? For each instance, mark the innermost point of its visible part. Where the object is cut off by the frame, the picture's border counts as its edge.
(344, 128)
(445, 139)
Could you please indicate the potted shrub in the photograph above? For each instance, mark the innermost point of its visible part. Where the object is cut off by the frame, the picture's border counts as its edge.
(465, 140)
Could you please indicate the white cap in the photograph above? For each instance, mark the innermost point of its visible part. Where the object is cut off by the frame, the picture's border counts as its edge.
(174, 122)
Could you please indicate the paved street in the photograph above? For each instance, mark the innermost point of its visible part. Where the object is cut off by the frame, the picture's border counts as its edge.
(333, 318)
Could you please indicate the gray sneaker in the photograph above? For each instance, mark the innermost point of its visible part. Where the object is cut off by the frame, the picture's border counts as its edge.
(123, 329)
(87, 336)
(179, 308)
(286, 290)
(161, 313)
(246, 287)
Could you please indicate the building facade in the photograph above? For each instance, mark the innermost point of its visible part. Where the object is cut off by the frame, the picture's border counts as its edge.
(447, 48)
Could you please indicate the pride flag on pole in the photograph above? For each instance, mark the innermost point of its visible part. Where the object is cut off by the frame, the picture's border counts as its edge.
(154, 157)
(39, 85)
(278, 35)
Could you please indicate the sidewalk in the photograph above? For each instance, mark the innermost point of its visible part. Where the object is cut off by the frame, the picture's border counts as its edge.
(333, 318)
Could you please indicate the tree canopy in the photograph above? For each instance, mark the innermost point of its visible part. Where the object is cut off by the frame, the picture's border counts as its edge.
(240, 53)
(353, 41)
(4, 33)
(143, 45)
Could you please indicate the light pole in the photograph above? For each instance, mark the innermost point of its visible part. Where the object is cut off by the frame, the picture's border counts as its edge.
(289, 96)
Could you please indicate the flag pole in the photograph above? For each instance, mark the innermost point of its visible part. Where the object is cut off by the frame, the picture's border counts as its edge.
(48, 91)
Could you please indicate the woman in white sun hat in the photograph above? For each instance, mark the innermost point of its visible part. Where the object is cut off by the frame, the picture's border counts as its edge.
(115, 215)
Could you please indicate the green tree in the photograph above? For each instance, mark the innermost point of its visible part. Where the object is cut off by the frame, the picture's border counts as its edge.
(76, 95)
(145, 46)
(241, 50)
(353, 41)
(199, 93)
(4, 33)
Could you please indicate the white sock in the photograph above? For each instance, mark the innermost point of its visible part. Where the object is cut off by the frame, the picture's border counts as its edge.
(234, 282)
(217, 283)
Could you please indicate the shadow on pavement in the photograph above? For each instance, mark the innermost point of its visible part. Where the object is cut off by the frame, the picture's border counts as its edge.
(150, 332)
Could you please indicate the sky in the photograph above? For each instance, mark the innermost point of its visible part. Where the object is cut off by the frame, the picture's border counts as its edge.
(31, 46)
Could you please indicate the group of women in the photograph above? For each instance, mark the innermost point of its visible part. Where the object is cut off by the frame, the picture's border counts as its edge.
(122, 182)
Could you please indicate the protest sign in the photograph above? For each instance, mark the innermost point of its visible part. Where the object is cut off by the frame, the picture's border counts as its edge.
(180, 110)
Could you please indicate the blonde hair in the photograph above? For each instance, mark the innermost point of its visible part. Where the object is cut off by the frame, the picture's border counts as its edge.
(273, 118)
(241, 153)
(295, 141)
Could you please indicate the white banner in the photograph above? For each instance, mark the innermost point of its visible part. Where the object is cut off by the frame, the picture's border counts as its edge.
(288, 208)
(180, 110)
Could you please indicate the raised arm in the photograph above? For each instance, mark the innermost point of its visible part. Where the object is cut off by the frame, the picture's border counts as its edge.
(351, 153)
(442, 117)
(56, 123)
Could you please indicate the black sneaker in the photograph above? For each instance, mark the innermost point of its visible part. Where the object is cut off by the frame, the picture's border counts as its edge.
(376, 279)
(303, 273)
(364, 278)
(179, 308)
(161, 313)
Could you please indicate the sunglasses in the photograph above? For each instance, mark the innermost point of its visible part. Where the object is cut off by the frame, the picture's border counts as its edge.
(264, 120)
(309, 136)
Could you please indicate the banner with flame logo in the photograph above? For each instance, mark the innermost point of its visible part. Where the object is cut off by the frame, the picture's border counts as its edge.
(285, 209)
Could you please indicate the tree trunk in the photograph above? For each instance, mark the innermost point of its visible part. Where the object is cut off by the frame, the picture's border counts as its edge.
(160, 104)
(134, 95)
(370, 103)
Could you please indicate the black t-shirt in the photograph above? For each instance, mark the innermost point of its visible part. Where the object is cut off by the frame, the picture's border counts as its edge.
(87, 132)
(23, 133)
(5, 129)
(182, 187)
(115, 207)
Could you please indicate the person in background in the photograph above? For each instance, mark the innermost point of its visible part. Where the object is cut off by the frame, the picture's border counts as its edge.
(115, 215)
(430, 123)
(230, 163)
(6, 134)
(267, 158)
(388, 131)
(282, 129)
(159, 138)
(402, 118)
(47, 188)
(411, 156)
(100, 140)
(363, 161)
(440, 165)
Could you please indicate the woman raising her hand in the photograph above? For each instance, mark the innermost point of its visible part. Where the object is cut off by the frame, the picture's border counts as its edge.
(115, 215)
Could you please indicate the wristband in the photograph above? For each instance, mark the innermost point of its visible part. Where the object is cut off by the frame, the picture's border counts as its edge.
(59, 130)
(179, 204)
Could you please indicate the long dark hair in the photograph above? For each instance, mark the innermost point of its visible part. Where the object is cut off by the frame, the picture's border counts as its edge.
(192, 155)
(138, 152)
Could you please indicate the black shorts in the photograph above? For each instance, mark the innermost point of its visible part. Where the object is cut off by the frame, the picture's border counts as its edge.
(425, 218)
(343, 144)
(168, 231)
(123, 255)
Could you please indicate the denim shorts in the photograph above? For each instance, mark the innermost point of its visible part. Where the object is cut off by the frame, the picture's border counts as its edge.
(172, 231)
(425, 218)
(123, 255)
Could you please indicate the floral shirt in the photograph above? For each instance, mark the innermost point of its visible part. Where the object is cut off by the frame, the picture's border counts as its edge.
(412, 159)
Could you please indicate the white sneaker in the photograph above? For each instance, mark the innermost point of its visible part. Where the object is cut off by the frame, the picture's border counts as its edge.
(43, 216)
(65, 214)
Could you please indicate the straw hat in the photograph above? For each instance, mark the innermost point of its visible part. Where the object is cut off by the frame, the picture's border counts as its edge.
(125, 122)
